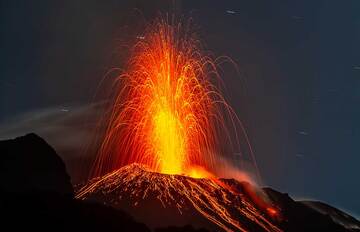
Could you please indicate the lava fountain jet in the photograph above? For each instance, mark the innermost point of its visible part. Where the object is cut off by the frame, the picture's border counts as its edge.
(169, 113)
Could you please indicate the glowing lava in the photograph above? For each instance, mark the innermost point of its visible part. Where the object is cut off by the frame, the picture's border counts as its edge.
(169, 113)
(169, 141)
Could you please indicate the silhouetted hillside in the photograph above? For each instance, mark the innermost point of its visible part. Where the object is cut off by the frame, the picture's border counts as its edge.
(36, 193)
(28, 164)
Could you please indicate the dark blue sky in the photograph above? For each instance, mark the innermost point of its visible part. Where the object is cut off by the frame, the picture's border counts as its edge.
(299, 63)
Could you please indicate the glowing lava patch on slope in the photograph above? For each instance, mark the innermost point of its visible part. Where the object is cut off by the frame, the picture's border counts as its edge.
(168, 113)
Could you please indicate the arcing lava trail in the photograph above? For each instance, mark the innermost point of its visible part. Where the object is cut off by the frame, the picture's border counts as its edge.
(157, 199)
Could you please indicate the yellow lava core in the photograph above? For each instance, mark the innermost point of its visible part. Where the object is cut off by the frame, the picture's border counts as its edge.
(168, 112)
(169, 141)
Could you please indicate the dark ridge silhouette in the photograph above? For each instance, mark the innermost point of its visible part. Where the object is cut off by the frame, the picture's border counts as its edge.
(36, 193)
(28, 164)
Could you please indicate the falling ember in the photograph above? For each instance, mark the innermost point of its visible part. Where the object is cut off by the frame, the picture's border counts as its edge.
(169, 113)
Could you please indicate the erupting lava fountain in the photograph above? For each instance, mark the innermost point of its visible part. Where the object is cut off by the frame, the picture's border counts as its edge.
(169, 113)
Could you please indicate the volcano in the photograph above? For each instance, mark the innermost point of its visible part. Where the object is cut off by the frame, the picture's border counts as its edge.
(161, 200)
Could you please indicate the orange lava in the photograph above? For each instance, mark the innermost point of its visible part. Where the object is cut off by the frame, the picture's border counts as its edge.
(168, 113)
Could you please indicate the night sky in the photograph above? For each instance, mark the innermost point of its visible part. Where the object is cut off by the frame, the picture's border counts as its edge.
(297, 90)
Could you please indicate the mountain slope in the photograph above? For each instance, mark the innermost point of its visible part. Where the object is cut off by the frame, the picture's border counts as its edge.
(161, 200)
